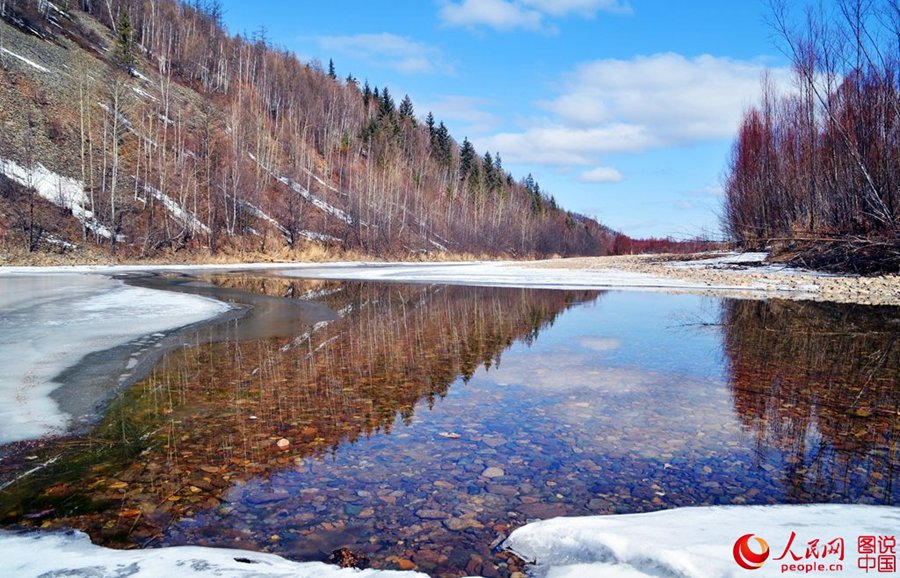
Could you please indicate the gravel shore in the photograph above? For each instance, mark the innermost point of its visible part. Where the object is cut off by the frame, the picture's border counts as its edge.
(760, 279)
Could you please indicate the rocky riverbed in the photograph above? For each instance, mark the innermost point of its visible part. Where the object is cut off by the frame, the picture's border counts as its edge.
(750, 271)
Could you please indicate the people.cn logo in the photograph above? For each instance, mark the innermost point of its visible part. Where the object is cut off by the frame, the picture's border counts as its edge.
(747, 558)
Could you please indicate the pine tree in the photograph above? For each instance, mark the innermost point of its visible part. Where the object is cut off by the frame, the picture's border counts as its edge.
(367, 94)
(125, 42)
(429, 122)
(466, 159)
(387, 104)
(406, 108)
(331, 73)
(442, 140)
(488, 164)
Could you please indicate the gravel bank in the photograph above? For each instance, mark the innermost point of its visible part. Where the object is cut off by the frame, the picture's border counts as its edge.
(759, 278)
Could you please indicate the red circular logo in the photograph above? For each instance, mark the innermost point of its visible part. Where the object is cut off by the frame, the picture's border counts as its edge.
(747, 558)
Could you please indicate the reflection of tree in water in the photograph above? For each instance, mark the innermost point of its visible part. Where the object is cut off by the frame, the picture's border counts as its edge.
(819, 386)
(210, 417)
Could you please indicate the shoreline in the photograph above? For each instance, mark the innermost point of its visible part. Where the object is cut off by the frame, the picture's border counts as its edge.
(737, 275)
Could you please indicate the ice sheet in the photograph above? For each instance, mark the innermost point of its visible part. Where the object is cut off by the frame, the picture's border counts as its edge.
(49, 322)
(72, 554)
(497, 274)
(696, 542)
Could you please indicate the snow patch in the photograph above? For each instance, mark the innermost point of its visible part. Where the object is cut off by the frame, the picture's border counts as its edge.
(184, 216)
(50, 322)
(72, 554)
(316, 201)
(493, 274)
(693, 542)
(30, 63)
(61, 191)
(306, 194)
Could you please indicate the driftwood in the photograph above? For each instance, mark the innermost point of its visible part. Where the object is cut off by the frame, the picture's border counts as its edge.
(839, 255)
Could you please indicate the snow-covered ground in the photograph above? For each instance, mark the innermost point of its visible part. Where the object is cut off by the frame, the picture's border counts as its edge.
(698, 542)
(72, 554)
(59, 190)
(681, 543)
(495, 274)
(50, 322)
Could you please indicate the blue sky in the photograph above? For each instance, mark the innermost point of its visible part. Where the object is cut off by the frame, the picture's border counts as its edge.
(622, 109)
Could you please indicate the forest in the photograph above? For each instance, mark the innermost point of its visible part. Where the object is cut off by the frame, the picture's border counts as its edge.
(159, 131)
(815, 168)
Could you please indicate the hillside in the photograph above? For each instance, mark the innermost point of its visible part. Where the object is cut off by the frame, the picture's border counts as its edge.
(143, 129)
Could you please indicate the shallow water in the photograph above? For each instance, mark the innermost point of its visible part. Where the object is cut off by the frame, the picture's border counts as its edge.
(424, 423)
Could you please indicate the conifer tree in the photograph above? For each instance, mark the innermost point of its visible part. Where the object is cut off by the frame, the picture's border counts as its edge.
(466, 159)
(387, 103)
(125, 42)
(406, 108)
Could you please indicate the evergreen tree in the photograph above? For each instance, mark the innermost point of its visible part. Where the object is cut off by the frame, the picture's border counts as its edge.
(406, 108)
(367, 94)
(429, 122)
(443, 148)
(488, 164)
(125, 42)
(331, 73)
(466, 159)
(387, 104)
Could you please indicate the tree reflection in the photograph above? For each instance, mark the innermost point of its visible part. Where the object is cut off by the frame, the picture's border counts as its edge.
(213, 416)
(818, 386)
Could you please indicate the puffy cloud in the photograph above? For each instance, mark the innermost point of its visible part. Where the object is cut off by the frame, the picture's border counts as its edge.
(601, 175)
(565, 146)
(630, 106)
(397, 52)
(682, 99)
(525, 14)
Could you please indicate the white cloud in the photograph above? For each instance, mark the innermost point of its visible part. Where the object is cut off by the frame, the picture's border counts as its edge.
(525, 14)
(601, 175)
(566, 146)
(683, 99)
(630, 106)
(390, 50)
(585, 8)
(498, 14)
(466, 113)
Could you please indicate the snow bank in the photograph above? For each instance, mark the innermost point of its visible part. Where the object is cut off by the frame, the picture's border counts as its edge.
(696, 542)
(72, 554)
(495, 274)
(48, 323)
(489, 274)
(59, 190)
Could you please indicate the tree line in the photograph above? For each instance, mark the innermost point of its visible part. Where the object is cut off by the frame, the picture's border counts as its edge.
(275, 151)
(818, 163)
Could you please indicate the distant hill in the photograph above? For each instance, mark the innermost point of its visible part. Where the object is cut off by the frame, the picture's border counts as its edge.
(144, 128)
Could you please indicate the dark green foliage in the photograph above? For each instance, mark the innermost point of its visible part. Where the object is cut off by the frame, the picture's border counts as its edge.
(406, 108)
(466, 159)
(125, 42)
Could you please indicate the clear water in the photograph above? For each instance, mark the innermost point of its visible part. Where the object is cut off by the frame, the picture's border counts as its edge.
(427, 422)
